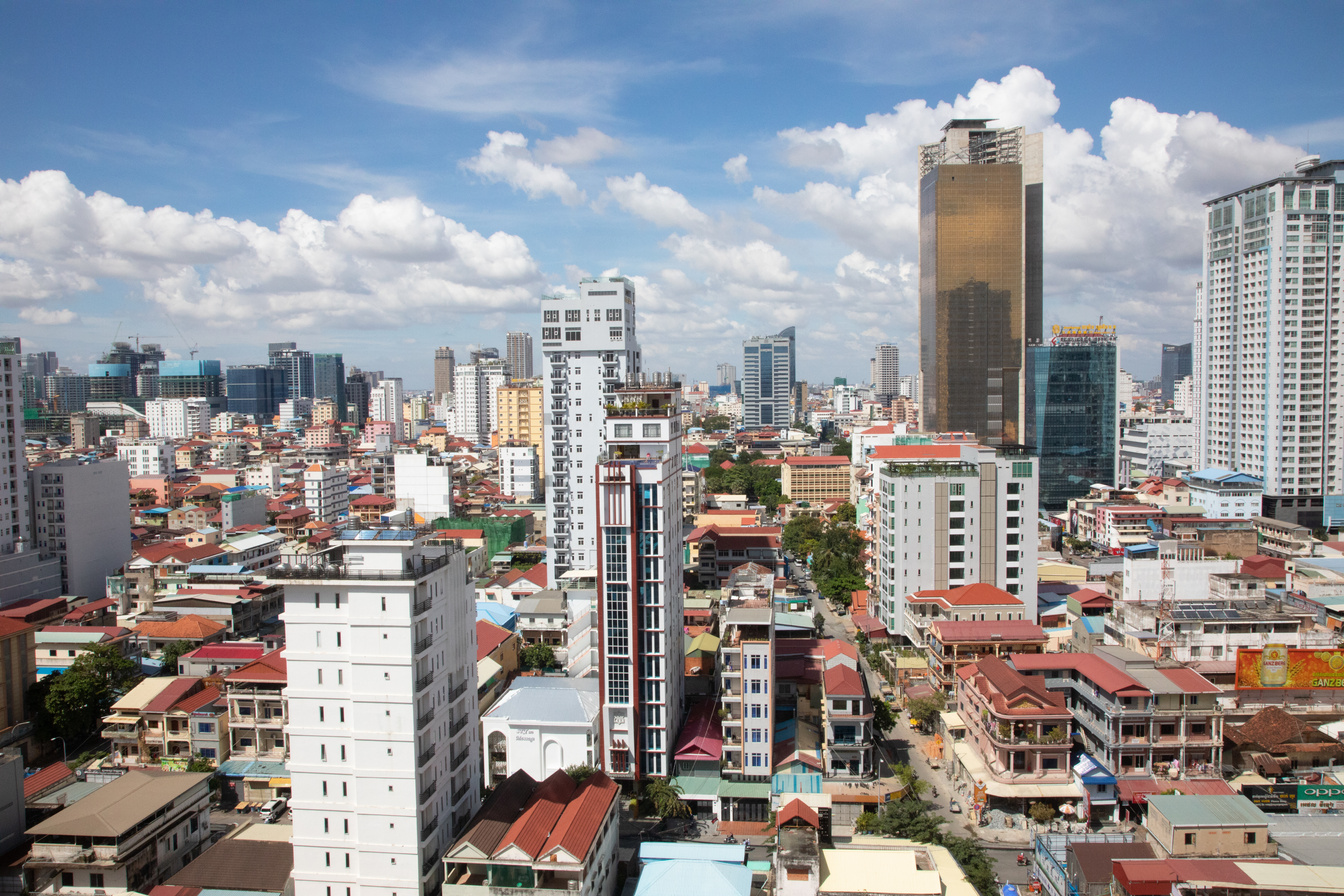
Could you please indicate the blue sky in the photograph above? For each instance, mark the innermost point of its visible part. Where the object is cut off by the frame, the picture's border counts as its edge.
(380, 179)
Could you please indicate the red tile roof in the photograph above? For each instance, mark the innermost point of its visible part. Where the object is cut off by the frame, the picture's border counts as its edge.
(249, 651)
(199, 700)
(187, 628)
(269, 668)
(177, 690)
(532, 829)
(459, 533)
(843, 681)
(89, 609)
(30, 608)
(979, 594)
(1190, 681)
(1264, 567)
(1096, 669)
(701, 736)
(40, 780)
(579, 824)
(796, 809)
(697, 448)
(958, 630)
(488, 637)
(10, 627)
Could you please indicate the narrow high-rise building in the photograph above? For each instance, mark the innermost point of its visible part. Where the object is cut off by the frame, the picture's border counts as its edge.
(443, 373)
(886, 370)
(384, 751)
(639, 525)
(385, 404)
(727, 374)
(297, 365)
(518, 351)
(980, 235)
(1072, 411)
(590, 349)
(768, 376)
(329, 380)
(521, 418)
(23, 571)
(1176, 363)
(1266, 343)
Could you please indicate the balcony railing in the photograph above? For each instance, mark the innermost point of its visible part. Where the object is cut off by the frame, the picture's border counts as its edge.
(456, 760)
(429, 791)
(422, 645)
(424, 718)
(426, 755)
(341, 571)
(421, 607)
(457, 725)
(461, 792)
(424, 681)
(424, 835)
(457, 691)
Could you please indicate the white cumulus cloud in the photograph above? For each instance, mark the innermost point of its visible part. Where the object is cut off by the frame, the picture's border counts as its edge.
(657, 204)
(586, 146)
(505, 157)
(736, 169)
(380, 264)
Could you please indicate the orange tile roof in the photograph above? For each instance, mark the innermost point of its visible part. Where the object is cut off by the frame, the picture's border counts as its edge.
(269, 668)
(914, 452)
(579, 824)
(196, 701)
(531, 831)
(188, 628)
(40, 780)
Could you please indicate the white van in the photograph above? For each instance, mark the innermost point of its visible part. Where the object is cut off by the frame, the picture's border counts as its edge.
(272, 810)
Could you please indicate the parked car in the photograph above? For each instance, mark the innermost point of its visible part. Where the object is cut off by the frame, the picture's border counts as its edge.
(273, 810)
(954, 806)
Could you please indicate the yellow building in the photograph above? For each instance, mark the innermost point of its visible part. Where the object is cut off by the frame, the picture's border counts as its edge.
(522, 420)
(816, 480)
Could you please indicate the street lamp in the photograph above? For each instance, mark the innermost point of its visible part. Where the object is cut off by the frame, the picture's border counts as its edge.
(65, 757)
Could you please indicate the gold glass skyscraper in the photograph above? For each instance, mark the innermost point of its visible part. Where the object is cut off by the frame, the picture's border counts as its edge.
(979, 276)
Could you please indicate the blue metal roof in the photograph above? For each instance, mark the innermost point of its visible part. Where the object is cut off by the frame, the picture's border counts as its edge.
(709, 852)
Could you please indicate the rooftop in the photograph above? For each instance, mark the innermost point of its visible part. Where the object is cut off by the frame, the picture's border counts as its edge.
(1186, 810)
(547, 700)
(118, 806)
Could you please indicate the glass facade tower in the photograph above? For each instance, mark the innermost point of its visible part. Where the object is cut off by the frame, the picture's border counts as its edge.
(1071, 411)
(980, 205)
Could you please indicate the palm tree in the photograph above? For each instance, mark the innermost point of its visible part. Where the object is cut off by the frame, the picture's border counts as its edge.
(665, 797)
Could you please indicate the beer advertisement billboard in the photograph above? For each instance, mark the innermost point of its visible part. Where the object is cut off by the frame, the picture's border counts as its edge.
(1279, 666)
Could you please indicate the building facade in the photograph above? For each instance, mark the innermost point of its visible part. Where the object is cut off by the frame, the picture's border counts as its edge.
(1176, 365)
(256, 390)
(521, 418)
(329, 381)
(980, 239)
(952, 514)
(518, 352)
(385, 404)
(383, 731)
(768, 375)
(177, 418)
(520, 472)
(476, 399)
(298, 367)
(886, 373)
(443, 373)
(590, 348)
(639, 520)
(79, 515)
(1266, 349)
(1072, 411)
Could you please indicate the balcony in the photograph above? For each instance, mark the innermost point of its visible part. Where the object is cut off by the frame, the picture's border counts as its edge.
(424, 718)
(455, 760)
(461, 792)
(457, 691)
(426, 755)
(412, 570)
(455, 727)
(424, 681)
(421, 607)
(429, 791)
(422, 645)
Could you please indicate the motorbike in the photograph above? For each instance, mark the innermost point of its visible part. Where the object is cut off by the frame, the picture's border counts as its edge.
(1021, 858)
(730, 839)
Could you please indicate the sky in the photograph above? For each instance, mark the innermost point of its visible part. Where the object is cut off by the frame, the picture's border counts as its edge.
(380, 179)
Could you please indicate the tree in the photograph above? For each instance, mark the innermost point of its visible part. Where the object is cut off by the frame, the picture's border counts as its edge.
(923, 709)
(537, 656)
(910, 819)
(198, 763)
(665, 798)
(172, 653)
(106, 663)
(846, 513)
(74, 702)
(716, 422)
(801, 535)
(883, 718)
(1041, 813)
(973, 860)
(841, 447)
(818, 623)
(580, 773)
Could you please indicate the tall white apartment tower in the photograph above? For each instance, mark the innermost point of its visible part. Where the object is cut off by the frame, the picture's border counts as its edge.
(952, 513)
(177, 418)
(385, 401)
(384, 750)
(887, 370)
(476, 399)
(518, 352)
(588, 341)
(638, 519)
(1267, 338)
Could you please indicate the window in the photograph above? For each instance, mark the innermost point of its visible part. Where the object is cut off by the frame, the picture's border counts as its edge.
(205, 727)
(572, 334)
(613, 314)
(550, 317)
(1250, 838)
(67, 878)
(1021, 469)
(550, 334)
(1190, 839)
(573, 316)
(615, 333)
(96, 878)
(625, 430)
(652, 430)
(956, 506)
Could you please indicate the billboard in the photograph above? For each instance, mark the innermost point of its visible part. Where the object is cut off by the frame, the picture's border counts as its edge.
(1278, 666)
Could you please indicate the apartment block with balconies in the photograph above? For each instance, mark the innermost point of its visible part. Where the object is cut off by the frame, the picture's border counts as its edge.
(1020, 729)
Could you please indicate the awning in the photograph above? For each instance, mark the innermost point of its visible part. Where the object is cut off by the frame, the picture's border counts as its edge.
(952, 720)
(745, 790)
(279, 782)
(1136, 790)
(120, 719)
(1092, 771)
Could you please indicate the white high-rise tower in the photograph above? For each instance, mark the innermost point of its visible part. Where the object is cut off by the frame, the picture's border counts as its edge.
(1267, 345)
(590, 348)
(384, 752)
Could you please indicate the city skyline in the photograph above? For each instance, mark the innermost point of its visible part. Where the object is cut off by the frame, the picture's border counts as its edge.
(777, 190)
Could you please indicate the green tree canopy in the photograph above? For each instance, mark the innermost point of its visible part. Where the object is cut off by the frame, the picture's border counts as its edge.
(716, 423)
(923, 709)
(665, 798)
(537, 656)
(581, 772)
(172, 653)
(883, 718)
(846, 513)
(841, 447)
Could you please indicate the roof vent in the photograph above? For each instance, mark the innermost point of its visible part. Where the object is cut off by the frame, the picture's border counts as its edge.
(1306, 162)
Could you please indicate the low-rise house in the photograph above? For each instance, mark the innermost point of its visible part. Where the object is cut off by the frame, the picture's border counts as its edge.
(847, 713)
(127, 836)
(556, 835)
(539, 726)
(165, 721)
(955, 644)
(497, 661)
(978, 601)
(220, 658)
(258, 711)
(196, 630)
(244, 610)
(1274, 742)
(715, 551)
(1018, 734)
(56, 647)
(514, 584)
(1181, 827)
(543, 619)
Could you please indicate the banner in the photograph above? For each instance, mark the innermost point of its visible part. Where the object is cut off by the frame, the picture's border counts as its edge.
(1277, 666)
